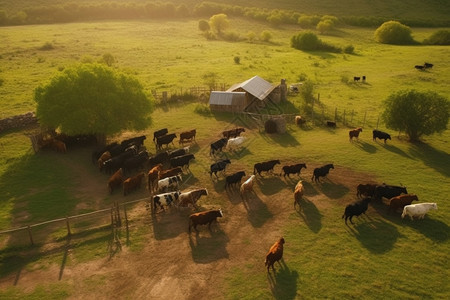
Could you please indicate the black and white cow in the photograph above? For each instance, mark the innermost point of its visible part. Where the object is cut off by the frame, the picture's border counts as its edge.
(165, 199)
(170, 182)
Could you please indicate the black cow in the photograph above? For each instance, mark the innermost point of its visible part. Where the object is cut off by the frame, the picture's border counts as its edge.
(137, 141)
(292, 169)
(355, 209)
(381, 135)
(165, 140)
(428, 65)
(181, 161)
(159, 158)
(234, 178)
(218, 146)
(159, 133)
(419, 67)
(203, 218)
(97, 153)
(135, 162)
(356, 78)
(116, 162)
(178, 152)
(366, 189)
(265, 166)
(331, 124)
(389, 191)
(321, 172)
(218, 166)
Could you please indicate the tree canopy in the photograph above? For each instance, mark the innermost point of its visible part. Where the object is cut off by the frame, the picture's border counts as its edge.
(92, 99)
(393, 32)
(219, 22)
(416, 113)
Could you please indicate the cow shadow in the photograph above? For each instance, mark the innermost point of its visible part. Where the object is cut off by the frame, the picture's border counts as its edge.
(333, 190)
(234, 195)
(218, 183)
(433, 229)
(239, 153)
(310, 190)
(432, 157)
(270, 185)
(310, 214)
(283, 283)
(208, 246)
(169, 223)
(257, 211)
(369, 148)
(375, 235)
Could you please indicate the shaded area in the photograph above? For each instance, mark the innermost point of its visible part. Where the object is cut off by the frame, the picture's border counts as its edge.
(369, 148)
(396, 150)
(169, 223)
(257, 211)
(283, 283)
(208, 245)
(435, 230)
(333, 190)
(284, 139)
(432, 157)
(310, 214)
(270, 184)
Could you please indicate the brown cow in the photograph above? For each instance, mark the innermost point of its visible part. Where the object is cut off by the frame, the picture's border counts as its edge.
(115, 180)
(401, 201)
(275, 254)
(354, 133)
(366, 190)
(203, 218)
(58, 146)
(132, 183)
(232, 133)
(191, 197)
(187, 136)
(153, 176)
(104, 157)
(169, 173)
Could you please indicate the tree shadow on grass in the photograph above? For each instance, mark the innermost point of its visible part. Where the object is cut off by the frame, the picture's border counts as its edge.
(432, 157)
(208, 246)
(396, 150)
(310, 214)
(283, 283)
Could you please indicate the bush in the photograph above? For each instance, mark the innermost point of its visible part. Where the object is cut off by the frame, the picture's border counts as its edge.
(251, 36)
(266, 36)
(308, 41)
(237, 60)
(47, 46)
(349, 49)
(441, 37)
(231, 36)
(393, 32)
(203, 25)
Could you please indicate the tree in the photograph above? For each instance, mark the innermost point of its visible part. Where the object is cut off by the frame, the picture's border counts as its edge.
(307, 41)
(92, 99)
(440, 37)
(416, 113)
(203, 25)
(219, 22)
(266, 36)
(393, 32)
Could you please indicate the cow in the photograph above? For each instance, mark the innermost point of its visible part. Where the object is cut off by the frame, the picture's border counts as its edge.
(266, 166)
(165, 199)
(187, 136)
(116, 162)
(275, 254)
(298, 192)
(218, 146)
(181, 161)
(234, 143)
(428, 65)
(218, 167)
(135, 162)
(132, 183)
(165, 140)
(292, 169)
(367, 190)
(203, 218)
(354, 133)
(419, 67)
(401, 201)
(356, 78)
(321, 172)
(159, 133)
(364, 78)
(58, 146)
(119, 149)
(159, 158)
(233, 133)
(418, 210)
(234, 179)
(389, 191)
(153, 177)
(380, 135)
(97, 153)
(137, 141)
(104, 157)
(169, 182)
(169, 173)
(191, 197)
(331, 124)
(115, 180)
(247, 186)
(178, 152)
(355, 209)
(299, 121)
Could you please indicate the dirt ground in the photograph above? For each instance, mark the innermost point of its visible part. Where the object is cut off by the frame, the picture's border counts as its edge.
(176, 264)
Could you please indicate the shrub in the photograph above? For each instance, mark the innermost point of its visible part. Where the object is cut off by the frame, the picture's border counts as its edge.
(324, 26)
(266, 36)
(203, 25)
(237, 60)
(440, 37)
(393, 32)
(47, 46)
(349, 49)
(251, 36)
(308, 41)
(231, 36)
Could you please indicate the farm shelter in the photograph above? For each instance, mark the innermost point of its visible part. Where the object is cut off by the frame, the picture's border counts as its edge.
(227, 101)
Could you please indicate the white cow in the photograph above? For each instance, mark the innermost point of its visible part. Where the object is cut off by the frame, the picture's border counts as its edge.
(169, 182)
(235, 142)
(418, 210)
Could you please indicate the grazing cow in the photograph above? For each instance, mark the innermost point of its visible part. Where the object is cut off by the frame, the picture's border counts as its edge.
(380, 135)
(354, 133)
(119, 149)
(299, 121)
(419, 67)
(191, 197)
(247, 186)
(153, 177)
(165, 199)
(355, 209)
(136, 161)
(203, 218)
(389, 191)
(298, 192)
(331, 124)
(187, 136)
(418, 210)
(159, 158)
(97, 153)
(275, 254)
(356, 78)
(178, 152)
(367, 190)
(115, 180)
(266, 166)
(132, 183)
(401, 201)
(234, 143)
(218, 167)
(116, 162)
(104, 157)
(218, 146)
(232, 133)
(137, 141)
(165, 140)
(169, 182)
(364, 78)
(234, 179)
(181, 161)
(321, 172)
(159, 133)
(428, 65)
(292, 169)
(169, 173)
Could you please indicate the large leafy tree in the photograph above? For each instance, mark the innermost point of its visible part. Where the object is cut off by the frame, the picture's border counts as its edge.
(93, 99)
(219, 23)
(416, 113)
(393, 32)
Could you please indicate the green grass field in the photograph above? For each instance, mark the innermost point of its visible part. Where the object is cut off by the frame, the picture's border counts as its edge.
(381, 257)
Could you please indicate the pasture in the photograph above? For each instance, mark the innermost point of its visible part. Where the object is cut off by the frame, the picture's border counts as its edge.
(380, 257)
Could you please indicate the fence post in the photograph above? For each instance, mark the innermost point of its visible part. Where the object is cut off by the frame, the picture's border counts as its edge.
(31, 236)
(118, 213)
(68, 227)
(126, 217)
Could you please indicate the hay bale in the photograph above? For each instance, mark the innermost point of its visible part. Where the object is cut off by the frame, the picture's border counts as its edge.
(270, 126)
(281, 125)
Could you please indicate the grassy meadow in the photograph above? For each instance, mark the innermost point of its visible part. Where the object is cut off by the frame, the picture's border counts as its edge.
(380, 257)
